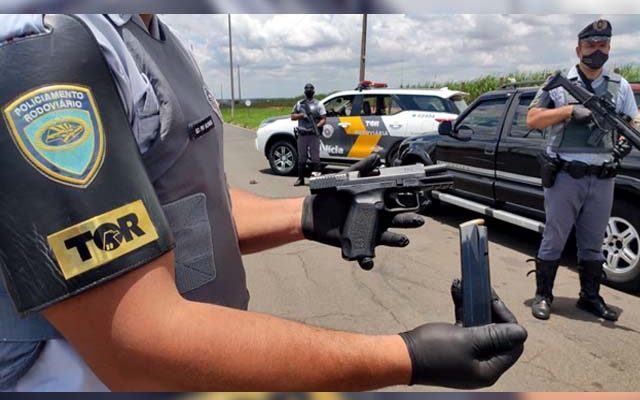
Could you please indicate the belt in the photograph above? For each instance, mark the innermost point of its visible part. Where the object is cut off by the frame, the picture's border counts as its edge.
(578, 169)
(588, 169)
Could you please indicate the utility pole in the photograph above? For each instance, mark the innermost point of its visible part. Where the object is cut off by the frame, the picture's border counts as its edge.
(231, 65)
(363, 46)
(239, 86)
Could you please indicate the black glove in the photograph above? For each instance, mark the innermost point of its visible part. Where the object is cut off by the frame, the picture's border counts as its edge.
(324, 215)
(581, 114)
(465, 358)
(621, 149)
(500, 314)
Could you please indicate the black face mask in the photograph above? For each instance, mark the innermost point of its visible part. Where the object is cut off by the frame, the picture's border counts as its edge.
(595, 60)
(309, 93)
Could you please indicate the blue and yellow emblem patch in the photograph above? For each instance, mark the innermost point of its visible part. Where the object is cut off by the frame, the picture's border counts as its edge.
(58, 130)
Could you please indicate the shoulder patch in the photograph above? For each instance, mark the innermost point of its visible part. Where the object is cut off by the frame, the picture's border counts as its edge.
(99, 240)
(58, 130)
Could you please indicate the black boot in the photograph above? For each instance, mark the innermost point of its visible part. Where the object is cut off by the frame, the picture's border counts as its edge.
(591, 274)
(300, 180)
(545, 275)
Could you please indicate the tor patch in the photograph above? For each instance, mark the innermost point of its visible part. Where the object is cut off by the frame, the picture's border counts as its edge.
(58, 130)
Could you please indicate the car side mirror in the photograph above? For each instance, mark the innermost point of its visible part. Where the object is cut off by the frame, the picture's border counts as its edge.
(445, 128)
(464, 133)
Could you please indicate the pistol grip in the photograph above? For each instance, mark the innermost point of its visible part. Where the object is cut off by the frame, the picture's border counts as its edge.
(360, 230)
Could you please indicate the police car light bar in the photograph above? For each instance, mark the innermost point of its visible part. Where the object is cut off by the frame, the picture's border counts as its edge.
(368, 85)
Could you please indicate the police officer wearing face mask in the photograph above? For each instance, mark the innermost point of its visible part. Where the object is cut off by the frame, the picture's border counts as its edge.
(580, 190)
(308, 112)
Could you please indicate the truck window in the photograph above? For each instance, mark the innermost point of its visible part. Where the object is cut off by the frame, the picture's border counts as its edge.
(519, 125)
(485, 117)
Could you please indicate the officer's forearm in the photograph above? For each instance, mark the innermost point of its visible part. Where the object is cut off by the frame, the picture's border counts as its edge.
(264, 223)
(137, 333)
(540, 118)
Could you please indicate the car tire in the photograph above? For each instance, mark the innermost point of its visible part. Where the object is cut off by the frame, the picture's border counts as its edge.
(283, 158)
(621, 246)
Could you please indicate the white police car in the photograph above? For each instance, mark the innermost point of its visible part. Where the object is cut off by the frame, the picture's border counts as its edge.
(369, 118)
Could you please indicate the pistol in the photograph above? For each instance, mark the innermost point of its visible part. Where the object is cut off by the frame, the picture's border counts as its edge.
(393, 190)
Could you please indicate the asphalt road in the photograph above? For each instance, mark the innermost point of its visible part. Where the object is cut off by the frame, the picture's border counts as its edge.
(310, 283)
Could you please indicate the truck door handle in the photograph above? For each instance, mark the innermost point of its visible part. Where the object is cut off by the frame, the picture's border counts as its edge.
(344, 124)
(395, 126)
(489, 151)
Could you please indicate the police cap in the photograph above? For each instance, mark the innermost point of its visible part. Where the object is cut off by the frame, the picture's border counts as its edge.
(596, 31)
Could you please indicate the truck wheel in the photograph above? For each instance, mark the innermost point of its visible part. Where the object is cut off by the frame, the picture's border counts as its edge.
(283, 158)
(621, 246)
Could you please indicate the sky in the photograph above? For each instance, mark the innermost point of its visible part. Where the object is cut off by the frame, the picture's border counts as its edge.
(279, 53)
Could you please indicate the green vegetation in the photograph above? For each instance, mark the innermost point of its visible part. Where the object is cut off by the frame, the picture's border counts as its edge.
(475, 87)
(250, 117)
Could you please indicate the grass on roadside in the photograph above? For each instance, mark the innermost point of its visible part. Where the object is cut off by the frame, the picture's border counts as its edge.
(250, 117)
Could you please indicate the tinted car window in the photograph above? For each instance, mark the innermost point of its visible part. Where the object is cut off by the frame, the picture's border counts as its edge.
(519, 125)
(426, 103)
(459, 104)
(485, 117)
(376, 104)
(340, 106)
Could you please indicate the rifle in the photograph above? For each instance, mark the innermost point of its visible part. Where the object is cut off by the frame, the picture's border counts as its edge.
(393, 189)
(605, 116)
(309, 116)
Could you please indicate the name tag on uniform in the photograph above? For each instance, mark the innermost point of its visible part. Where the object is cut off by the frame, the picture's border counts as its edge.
(199, 128)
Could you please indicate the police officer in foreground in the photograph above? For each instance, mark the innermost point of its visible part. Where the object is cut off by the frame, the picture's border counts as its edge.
(578, 176)
(121, 253)
(311, 116)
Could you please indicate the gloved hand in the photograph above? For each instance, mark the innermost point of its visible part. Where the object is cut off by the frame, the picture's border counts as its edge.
(581, 114)
(500, 314)
(465, 358)
(324, 215)
(621, 149)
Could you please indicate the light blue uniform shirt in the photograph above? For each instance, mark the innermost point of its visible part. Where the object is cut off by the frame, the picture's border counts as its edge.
(625, 103)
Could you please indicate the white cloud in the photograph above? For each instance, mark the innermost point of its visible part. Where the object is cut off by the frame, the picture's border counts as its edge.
(279, 53)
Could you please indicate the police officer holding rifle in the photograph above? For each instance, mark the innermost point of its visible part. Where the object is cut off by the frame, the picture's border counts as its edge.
(582, 115)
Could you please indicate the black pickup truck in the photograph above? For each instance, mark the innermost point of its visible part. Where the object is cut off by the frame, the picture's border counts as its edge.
(492, 155)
